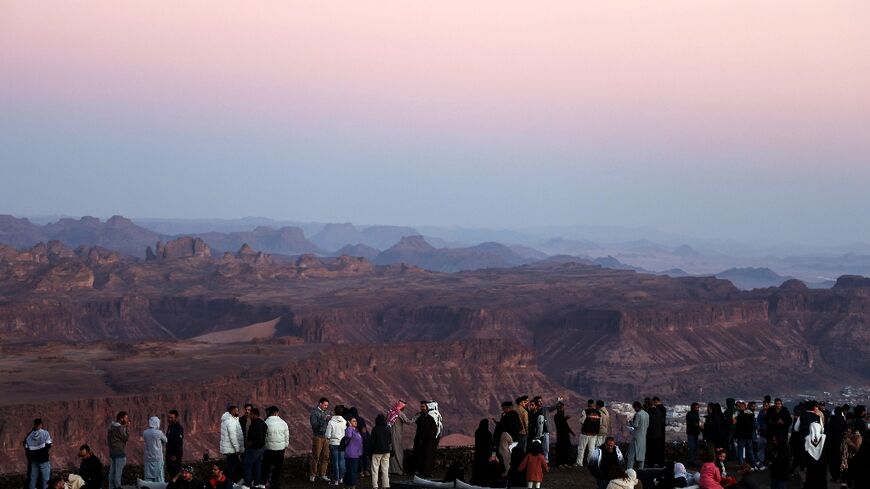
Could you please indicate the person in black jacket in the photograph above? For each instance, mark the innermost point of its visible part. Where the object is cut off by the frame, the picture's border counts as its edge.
(255, 447)
(174, 445)
(777, 421)
(693, 431)
(382, 445)
(90, 468)
(563, 436)
(655, 435)
(714, 428)
(507, 430)
(482, 453)
(744, 429)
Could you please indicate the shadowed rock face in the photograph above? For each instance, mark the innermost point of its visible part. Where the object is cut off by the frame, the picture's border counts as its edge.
(467, 338)
(150, 378)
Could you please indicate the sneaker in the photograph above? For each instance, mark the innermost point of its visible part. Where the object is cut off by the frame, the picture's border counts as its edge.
(322, 477)
(311, 479)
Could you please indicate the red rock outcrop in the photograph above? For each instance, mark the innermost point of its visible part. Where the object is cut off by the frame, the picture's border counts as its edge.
(468, 379)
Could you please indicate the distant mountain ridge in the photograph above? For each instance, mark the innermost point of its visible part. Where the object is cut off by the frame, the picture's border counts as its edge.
(416, 250)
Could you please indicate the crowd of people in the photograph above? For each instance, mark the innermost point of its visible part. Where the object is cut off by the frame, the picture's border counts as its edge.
(821, 444)
(825, 445)
(341, 440)
(252, 448)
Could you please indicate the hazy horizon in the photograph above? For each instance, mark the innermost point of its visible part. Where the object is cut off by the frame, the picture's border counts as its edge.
(716, 121)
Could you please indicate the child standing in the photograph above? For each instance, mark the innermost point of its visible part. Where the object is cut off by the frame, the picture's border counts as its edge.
(535, 465)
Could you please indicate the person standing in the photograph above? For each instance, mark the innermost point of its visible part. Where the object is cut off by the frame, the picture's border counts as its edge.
(522, 409)
(277, 440)
(603, 421)
(232, 442)
(482, 453)
(255, 446)
(589, 429)
(534, 465)
(382, 445)
(152, 460)
(319, 419)
(743, 433)
(38, 445)
(638, 426)
(352, 453)
(426, 439)
(563, 435)
(814, 446)
(90, 468)
(655, 437)
(174, 444)
(245, 421)
(506, 432)
(334, 433)
(777, 421)
(693, 431)
(397, 420)
(714, 428)
(117, 441)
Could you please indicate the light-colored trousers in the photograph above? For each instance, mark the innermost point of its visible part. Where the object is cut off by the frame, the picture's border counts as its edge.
(586, 441)
(381, 470)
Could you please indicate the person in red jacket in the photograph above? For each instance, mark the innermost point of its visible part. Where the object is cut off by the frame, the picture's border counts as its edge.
(534, 464)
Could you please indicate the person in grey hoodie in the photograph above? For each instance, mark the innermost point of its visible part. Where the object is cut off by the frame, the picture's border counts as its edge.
(38, 445)
(154, 441)
(117, 440)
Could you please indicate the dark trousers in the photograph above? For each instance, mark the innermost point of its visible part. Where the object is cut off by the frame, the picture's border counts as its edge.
(253, 466)
(351, 472)
(173, 467)
(692, 454)
(234, 466)
(273, 465)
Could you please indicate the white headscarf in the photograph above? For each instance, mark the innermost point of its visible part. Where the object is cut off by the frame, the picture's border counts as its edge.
(436, 415)
(814, 443)
(631, 475)
(680, 471)
(154, 422)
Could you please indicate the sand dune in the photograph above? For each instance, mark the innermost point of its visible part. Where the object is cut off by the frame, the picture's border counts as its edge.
(257, 331)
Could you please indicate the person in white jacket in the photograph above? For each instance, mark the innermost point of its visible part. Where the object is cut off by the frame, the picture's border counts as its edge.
(277, 440)
(232, 441)
(154, 441)
(335, 430)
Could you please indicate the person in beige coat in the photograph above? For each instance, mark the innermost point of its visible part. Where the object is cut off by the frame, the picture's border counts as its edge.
(604, 428)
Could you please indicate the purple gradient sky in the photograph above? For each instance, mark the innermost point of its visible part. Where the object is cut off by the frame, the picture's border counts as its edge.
(717, 119)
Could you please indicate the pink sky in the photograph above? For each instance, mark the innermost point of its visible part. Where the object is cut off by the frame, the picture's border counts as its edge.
(769, 85)
(763, 74)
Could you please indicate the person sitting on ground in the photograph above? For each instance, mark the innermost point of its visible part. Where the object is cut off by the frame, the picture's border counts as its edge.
(534, 465)
(90, 468)
(721, 456)
(219, 479)
(625, 480)
(184, 479)
(668, 479)
(711, 473)
(606, 462)
(747, 478)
